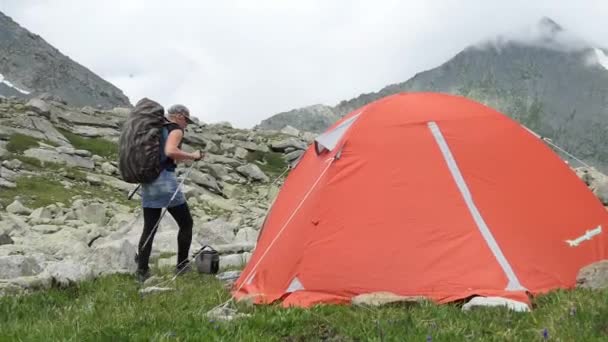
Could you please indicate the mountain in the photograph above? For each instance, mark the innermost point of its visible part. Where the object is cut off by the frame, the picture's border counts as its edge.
(553, 82)
(29, 66)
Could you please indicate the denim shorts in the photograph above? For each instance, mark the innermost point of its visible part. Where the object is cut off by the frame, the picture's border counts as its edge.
(158, 193)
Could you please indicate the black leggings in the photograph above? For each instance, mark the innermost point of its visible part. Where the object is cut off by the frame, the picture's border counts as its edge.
(181, 214)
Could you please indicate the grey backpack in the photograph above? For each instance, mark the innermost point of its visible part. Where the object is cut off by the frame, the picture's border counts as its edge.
(139, 154)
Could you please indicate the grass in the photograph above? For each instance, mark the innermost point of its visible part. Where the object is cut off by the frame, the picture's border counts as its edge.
(41, 190)
(271, 163)
(99, 146)
(18, 143)
(110, 309)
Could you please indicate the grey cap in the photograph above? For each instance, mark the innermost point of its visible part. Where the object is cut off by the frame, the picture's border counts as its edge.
(180, 109)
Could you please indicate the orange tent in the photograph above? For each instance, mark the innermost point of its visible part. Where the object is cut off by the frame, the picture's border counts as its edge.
(425, 194)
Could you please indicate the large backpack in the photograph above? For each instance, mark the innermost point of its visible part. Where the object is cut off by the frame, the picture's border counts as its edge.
(140, 153)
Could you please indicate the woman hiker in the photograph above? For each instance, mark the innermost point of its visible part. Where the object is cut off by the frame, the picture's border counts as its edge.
(157, 195)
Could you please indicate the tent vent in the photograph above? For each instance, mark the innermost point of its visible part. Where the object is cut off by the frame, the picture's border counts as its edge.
(329, 140)
(295, 285)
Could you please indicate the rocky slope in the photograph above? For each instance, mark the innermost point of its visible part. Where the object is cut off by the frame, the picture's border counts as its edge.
(29, 66)
(64, 215)
(555, 84)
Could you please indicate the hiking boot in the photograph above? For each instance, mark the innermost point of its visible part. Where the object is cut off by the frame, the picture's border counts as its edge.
(142, 275)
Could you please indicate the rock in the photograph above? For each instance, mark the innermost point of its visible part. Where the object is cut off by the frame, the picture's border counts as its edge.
(217, 171)
(593, 276)
(17, 208)
(234, 248)
(93, 180)
(5, 239)
(14, 266)
(82, 119)
(95, 132)
(14, 164)
(252, 171)
(40, 107)
(216, 232)
(215, 159)
(290, 131)
(59, 158)
(240, 153)
(246, 235)
(68, 272)
(88, 110)
(82, 153)
(46, 228)
(6, 184)
(41, 281)
(232, 260)
(205, 180)
(601, 191)
(40, 214)
(92, 213)
(383, 298)
(280, 146)
(154, 289)
(116, 256)
(8, 174)
(251, 146)
(108, 169)
(292, 156)
(309, 137)
(3, 151)
(494, 302)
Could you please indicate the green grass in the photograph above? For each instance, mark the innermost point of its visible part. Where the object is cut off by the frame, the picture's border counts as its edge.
(271, 163)
(110, 309)
(99, 146)
(41, 190)
(18, 143)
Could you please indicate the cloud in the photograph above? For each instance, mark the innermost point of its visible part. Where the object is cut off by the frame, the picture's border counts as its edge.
(242, 61)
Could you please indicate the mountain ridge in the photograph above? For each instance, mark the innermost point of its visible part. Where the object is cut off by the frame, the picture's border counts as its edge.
(30, 66)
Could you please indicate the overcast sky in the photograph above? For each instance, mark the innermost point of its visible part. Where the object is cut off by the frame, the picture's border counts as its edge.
(242, 61)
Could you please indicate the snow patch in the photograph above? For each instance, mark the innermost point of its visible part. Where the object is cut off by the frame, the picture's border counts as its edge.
(8, 83)
(602, 59)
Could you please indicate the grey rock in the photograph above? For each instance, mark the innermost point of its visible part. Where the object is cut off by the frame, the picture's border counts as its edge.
(215, 159)
(3, 151)
(594, 276)
(289, 130)
(59, 158)
(216, 232)
(292, 156)
(108, 169)
(8, 174)
(92, 213)
(14, 164)
(14, 266)
(205, 180)
(246, 235)
(252, 171)
(17, 208)
(40, 107)
(6, 184)
(240, 153)
(117, 256)
(68, 272)
(290, 142)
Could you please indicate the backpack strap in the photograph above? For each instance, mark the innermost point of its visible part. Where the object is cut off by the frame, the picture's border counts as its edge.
(163, 140)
